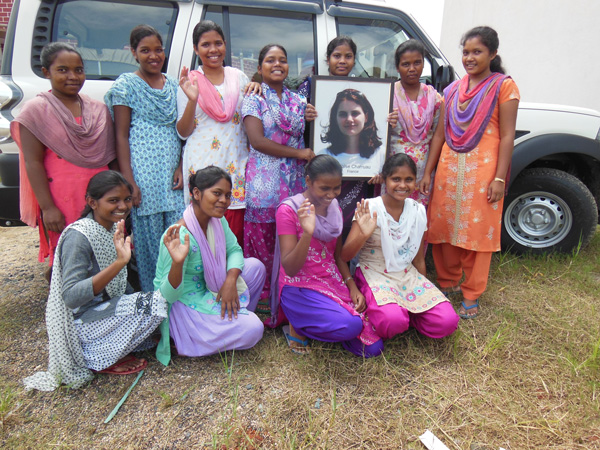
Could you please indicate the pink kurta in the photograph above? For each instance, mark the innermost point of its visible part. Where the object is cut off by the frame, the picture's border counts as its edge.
(67, 183)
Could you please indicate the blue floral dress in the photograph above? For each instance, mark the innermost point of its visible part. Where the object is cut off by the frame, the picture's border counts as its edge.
(155, 153)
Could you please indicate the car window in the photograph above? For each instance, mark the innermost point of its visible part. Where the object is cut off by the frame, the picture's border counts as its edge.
(250, 29)
(100, 31)
(376, 42)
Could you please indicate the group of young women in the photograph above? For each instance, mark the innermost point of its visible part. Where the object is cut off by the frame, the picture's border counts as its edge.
(262, 219)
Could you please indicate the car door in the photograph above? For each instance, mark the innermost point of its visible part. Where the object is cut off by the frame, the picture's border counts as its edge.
(248, 26)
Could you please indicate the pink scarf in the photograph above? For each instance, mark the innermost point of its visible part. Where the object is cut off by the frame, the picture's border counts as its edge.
(209, 99)
(90, 144)
(415, 125)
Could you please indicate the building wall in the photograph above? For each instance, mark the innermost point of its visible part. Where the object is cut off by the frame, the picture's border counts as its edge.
(5, 7)
(550, 47)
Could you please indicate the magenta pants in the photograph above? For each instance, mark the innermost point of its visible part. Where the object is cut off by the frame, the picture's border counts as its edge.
(392, 319)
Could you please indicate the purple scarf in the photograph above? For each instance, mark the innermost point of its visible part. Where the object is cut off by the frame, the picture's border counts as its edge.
(215, 265)
(327, 228)
(468, 113)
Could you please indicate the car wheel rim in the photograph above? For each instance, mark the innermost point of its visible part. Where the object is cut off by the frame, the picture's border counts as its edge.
(538, 219)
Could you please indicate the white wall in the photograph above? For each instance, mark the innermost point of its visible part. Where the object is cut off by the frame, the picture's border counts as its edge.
(428, 13)
(550, 47)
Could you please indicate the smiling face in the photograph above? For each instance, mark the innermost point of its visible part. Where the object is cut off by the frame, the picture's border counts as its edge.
(211, 49)
(410, 68)
(401, 183)
(214, 201)
(351, 118)
(476, 58)
(274, 68)
(66, 74)
(150, 54)
(322, 190)
(341, 61)
(112, 206)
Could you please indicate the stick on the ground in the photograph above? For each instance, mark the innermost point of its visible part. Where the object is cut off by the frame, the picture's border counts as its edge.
(116, 410)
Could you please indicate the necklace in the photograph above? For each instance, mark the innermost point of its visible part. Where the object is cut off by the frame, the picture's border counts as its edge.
(142, 76)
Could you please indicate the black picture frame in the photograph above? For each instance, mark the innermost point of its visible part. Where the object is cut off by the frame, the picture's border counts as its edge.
(325, 139)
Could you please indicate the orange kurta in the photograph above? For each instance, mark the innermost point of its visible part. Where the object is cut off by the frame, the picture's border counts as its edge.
(459, 213)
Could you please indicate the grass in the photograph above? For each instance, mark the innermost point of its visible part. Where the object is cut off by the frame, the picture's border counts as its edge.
(524, 375)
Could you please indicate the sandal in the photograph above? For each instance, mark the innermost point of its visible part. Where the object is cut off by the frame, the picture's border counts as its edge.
(111, 370)
(451, 291)
(304, 350)
(467, 308)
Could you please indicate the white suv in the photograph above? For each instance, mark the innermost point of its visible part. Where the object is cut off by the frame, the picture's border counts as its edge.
(552, 201)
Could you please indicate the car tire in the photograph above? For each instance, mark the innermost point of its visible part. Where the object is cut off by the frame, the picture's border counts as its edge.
(548, 210)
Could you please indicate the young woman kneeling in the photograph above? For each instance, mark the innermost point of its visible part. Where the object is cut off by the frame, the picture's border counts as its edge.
(388, 233)
(318, 295)
(212, 290)
(94, 318)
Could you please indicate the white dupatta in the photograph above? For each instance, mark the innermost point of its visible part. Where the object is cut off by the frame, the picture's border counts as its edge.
(66, 364)
(400, 241)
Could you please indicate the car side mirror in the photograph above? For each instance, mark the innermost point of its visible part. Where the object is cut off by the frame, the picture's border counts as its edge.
(444, 75)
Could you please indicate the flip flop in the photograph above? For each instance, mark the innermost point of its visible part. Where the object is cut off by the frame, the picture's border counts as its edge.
(111, 370)
(447, 292)
(289, 338)
(466, 308)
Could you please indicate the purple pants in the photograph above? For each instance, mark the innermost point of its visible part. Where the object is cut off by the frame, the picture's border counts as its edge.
(392, 319)
(197, 334)
(318, 317)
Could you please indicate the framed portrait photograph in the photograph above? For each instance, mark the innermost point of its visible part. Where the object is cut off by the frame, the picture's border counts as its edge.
(352, 122)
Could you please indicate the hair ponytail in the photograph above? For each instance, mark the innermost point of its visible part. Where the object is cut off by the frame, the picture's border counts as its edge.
(496, 65)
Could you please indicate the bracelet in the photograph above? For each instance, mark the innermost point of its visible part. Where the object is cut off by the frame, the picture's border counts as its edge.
(500, 180)
(346, 280)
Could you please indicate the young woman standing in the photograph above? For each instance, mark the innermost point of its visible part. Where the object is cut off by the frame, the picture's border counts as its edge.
(416, 110)
(144, 106)
(477, 135)
(341, 57)
(61, 153)
(275, 123)
(209, 103)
